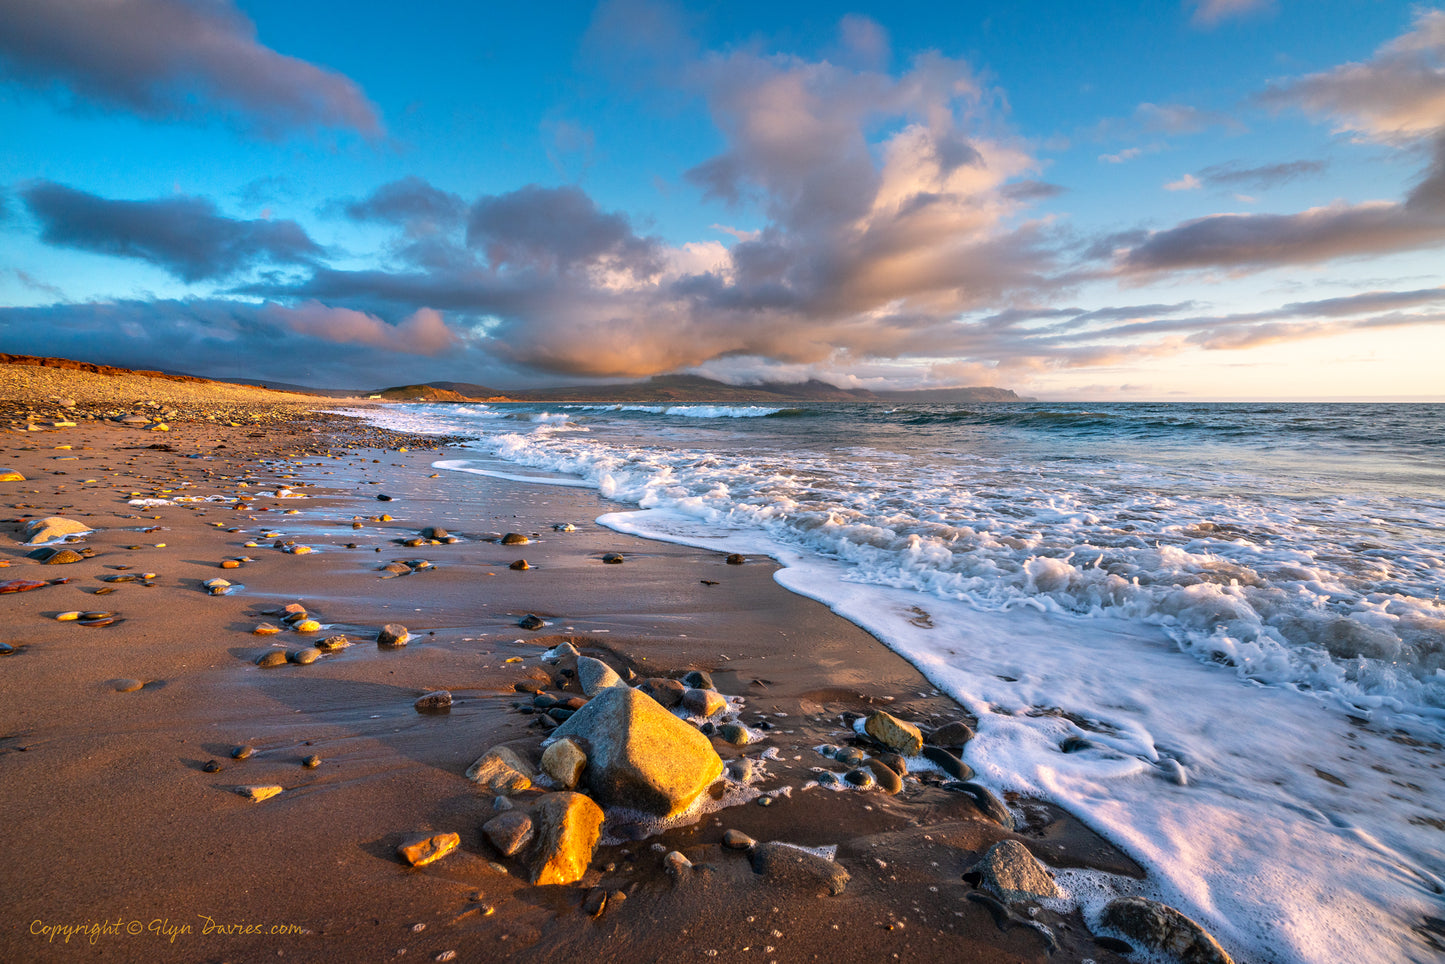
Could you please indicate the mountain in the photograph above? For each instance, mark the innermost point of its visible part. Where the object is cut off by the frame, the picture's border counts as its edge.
(695, 388)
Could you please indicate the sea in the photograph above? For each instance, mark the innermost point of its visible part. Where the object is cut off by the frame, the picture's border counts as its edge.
(1213, 632)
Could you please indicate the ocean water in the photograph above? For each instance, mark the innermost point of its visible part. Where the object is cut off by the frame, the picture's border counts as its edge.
(1213, 632)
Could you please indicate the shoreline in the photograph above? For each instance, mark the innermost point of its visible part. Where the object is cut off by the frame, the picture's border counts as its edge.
(321, 854)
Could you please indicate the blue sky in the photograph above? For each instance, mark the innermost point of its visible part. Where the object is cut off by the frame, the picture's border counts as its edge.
(1216, 199)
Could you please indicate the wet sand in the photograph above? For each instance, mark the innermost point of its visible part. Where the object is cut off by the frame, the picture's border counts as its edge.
(114, 825)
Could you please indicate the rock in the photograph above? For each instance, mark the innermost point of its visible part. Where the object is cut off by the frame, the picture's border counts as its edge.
(428, 850)
(1009, 870)
(676, 863)
(567, 826)
(947, 762)
(333, 643)
(500, 770)
(1160, 927)
(888, 779)
(893, 733)
(258, 793)
(564, 762)
(703, 702)
(613, 559)
(434, 532)
(243, 752)
(266, 629)
(509, 831)
(10, 475)
(559, 652)
(52, 528)
(735, 559)
(311, 762)
(211, 766)
(521, 565)
(531, 621)
(737, 840)
(951, 735)
(218, 587)
(126, 685)
(304, 657)
(595, 903)
(735, 733)
(306, 626)
(861, 778)
(596, 676)
(515, 539)
(564, 527)
(437, 701)
(392, 634)
(640, 755)
(991, 806)
(57, 557)
(275, 657)
(850, 756)
(698, 680)
(667, 692)
(395, 568)
(785, 863)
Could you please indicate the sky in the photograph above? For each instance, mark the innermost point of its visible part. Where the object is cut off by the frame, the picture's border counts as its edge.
(1166, 200)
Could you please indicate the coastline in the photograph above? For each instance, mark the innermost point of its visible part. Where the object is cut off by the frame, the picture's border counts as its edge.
(108, 801)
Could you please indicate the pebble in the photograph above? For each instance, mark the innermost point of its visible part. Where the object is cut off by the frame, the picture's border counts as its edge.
(850, 756)
(894, 762)
(230, 564)
(895, 734)
(331, 643)
(783, 863)
(520, 565)
(437, 701)
(211, 767)
(668, 692)
(676, 864)
(7, 650)
(564, 527)
(947, 762)
(271, 659)
(888, 779)
(307, 626)
(989, 804)
(735, 559)
(515, 539)
(62, 557)
(126, 685)
(242, 752)
(428, 850)
(1160, 927)
(735, 733)
(564, 762)
(613, 559)
(311, 762)
(698, 680)
(703, 702)
(737, 840)
(595, 903)
(860, 778)
(392, 634)
(531, 621)
(304, 657)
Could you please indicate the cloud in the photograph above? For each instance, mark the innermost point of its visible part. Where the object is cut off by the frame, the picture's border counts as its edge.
(1207, 13)
(556, 229)
(1263, 177)
(421, 333)
(1254, 242)
(186, 236)
(1127, 154)
(1186, 183)
(167, 59)
(412, 203)
(1398, 94)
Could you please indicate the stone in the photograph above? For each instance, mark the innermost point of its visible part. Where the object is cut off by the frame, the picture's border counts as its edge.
(735, 559)
(667, 692)
(951, 735)
(735, 733)
(126, 685)
(564, 527)
(676, 863)
(428, 850)
(333, 643)
(275, 657)
(60, 557)
(392, 634)
(595, 903)
(698, 680)
(10, 475)
(894, 762)
(500, 770)
(990, 805)
(947, 762)
(887, 778)
(437, 701)
(434, 532)
(613, 559)
(893, 733)
(521, 565)
(306, 626)
(311, 762)
(640, 755)
(515, 539)
(788, 864)
(509, 831)
(258, 793)
(1010, 871)
(266, 629)
(304, 657)
(567, 826)
(564, 762)
(737, 840)
(243, 752)
(531, 621)
(596, 676)
(850, 756)
(861, 778)
(703, 702)
(55, 527)
(1160, 927)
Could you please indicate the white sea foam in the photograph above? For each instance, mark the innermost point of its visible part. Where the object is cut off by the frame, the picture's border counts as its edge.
(1211, 632)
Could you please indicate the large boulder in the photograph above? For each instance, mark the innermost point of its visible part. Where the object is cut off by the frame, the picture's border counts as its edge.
(596, 676)
(567, 826)
(1160, 927)
(639, 755)
(38, 531)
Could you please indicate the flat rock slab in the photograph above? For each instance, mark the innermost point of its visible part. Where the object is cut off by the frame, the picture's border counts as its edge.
(639, 755)
(258, 793)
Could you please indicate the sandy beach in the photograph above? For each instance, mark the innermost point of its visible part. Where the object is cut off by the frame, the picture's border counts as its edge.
(122, 736)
